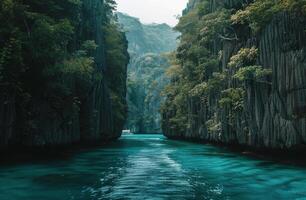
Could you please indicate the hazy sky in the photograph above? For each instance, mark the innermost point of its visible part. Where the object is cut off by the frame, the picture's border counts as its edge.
(153, 11)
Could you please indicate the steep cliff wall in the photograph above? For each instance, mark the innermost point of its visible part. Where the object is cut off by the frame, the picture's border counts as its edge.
(146, 71)
(145, 84)
(236, 105)
(73, 96)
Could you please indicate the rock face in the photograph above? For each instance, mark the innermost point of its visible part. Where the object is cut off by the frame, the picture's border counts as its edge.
(145, 85)
(146, 71)
(147, 38)
(274, 114)
(79, 117)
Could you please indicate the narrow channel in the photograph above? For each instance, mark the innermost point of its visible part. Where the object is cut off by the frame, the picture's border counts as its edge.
(152, 167)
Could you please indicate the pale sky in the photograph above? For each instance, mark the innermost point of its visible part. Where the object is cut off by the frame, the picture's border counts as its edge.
(153, 11)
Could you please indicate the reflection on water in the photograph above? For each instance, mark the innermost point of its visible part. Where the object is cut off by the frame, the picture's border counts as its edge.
(152, 167)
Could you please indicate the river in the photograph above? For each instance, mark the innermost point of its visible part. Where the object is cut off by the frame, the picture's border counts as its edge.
(152, 167)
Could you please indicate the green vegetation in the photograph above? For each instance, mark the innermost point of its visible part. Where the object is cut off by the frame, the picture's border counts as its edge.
(147, 38)
(260, 12)
(145, 84)
(148, 45)
(51, 53)
(243, 61)
(206, 72)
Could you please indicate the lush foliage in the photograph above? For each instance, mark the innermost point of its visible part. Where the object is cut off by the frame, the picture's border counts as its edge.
(50, 54)
(145, 84)
(260, 12)
(147, 38)
(146, 73)
(207, 71)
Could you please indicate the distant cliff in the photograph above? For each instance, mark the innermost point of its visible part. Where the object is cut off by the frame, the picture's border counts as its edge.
(148, 38)
(240, 74)
(62, 73)
(146, 71)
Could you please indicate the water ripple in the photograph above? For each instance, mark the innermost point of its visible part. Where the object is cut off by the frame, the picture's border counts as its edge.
(152, 167)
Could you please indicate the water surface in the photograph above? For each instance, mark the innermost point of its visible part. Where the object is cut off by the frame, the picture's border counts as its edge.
(152, 167)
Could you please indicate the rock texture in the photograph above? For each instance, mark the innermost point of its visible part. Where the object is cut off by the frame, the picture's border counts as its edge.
(146, 71)
(274, 112)
(88, 119)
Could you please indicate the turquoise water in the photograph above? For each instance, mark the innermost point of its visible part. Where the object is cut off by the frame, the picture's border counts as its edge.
(152, 167)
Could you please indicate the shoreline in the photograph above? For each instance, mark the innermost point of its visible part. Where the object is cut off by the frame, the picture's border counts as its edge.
(294, 156)
(21, 155)
(15, 155)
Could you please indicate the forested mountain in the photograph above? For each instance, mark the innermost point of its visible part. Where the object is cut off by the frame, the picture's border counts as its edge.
(146, 72)
(147, 38)
(62, 72)
(239, 74)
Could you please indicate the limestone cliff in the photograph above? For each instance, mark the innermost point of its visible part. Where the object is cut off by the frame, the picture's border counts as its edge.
(146, 71)
(68, 106)
(272, 110)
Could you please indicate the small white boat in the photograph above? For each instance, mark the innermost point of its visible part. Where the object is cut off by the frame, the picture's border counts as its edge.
(127, 132)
